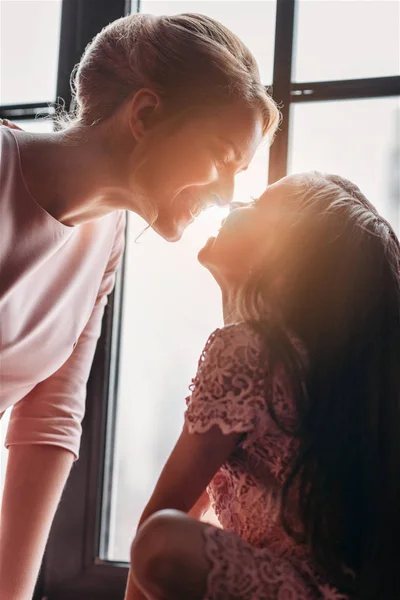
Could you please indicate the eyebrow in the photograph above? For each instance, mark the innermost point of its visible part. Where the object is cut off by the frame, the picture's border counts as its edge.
(238, 155)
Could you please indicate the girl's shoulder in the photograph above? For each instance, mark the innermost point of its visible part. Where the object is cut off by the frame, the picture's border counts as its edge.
(237, 343)
(236, 335)
(243, 347)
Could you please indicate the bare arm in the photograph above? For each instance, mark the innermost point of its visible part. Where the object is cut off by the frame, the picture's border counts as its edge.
(43, 437)
(189, 469)
(182, 484)
(35, 478)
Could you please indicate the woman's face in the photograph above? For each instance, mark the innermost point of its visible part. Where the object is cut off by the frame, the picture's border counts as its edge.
(246, 236)
(192, 166)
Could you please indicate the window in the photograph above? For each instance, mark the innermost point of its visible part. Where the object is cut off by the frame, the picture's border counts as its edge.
(30, 37)
(253, 21)
(340, 104)
(359, 139)
(346, 39)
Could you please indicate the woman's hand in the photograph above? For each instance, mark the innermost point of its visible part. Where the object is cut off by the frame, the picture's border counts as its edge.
(9, 124)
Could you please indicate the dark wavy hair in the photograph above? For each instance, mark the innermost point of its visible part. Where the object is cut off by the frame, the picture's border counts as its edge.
(337, 262)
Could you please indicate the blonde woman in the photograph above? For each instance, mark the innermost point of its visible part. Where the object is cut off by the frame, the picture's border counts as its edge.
(168, 110)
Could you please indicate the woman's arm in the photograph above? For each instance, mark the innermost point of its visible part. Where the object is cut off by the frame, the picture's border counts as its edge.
(182, 484)
(9, 124)
(43, 437)
(35, 478)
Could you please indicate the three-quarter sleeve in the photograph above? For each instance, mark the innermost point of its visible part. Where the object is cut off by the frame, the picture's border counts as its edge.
(51, 413)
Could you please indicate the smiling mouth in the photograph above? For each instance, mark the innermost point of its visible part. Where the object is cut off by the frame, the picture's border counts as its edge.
(196, 208)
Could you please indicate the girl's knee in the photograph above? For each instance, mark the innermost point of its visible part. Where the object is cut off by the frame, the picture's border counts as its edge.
(154, 555)
(167, 555)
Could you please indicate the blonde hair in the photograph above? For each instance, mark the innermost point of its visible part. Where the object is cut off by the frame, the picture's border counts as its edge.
(193, 62)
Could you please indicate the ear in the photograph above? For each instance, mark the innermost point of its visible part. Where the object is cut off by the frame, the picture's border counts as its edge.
(145, 110)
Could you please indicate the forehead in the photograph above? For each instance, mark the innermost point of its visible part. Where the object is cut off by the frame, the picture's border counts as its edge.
(279, 191)
(237, 118)
(236, 123)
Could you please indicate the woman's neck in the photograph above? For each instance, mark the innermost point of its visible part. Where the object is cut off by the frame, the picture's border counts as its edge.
(76, 175)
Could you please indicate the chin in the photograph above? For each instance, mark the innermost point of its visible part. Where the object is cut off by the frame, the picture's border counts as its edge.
(205, 256)
(171, 232)
(171, 227)
(208, 263)
(168, 236)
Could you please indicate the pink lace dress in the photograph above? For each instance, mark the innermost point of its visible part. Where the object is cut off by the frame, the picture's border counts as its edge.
(251, 557)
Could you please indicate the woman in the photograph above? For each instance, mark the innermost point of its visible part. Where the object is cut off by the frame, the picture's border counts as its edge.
(294, 416)
(168, 110)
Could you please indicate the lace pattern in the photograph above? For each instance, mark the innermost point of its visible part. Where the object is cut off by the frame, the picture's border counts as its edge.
(252, 556)
(228, 389)
(238, 570)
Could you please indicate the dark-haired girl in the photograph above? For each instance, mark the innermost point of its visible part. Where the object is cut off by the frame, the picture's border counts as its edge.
(292, 426)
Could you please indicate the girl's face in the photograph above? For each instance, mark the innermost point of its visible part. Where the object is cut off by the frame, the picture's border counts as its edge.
(192, 166)
(246, 236)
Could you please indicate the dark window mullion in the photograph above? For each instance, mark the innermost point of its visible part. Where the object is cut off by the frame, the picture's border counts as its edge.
(81, 20)
(345, 89)
(102, 487)
(284, 31)
(26, 111)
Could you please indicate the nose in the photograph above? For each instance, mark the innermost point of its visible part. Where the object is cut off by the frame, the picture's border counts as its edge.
(223, 190)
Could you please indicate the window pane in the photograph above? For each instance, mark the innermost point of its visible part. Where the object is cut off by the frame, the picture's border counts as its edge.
(171, 305)
(346, 39)
(359, 139)
(41, 125)
(29, 33)
(253, 21)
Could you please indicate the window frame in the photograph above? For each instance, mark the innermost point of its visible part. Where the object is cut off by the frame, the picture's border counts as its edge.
(72, 569)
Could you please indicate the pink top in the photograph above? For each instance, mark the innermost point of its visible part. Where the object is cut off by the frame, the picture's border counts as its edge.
(54, 282)
(229, 392)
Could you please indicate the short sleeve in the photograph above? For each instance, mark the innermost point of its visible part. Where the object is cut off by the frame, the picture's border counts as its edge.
(228, 389)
